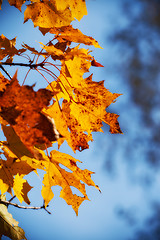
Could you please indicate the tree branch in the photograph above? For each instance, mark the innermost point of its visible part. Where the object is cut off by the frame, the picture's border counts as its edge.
(7, 203)
(30, 65)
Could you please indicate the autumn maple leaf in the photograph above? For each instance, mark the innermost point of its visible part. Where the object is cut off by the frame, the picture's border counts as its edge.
(25, 116)
(57, 175)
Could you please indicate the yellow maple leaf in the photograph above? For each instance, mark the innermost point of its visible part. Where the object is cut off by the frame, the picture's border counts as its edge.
(84, 104)
(70, 34)
(89, 108)
(54, 52)
(81, 53)
(76, 63)
(47, 192)
(57, 175)
(85, 101)
(77, 7)
(79, 138)
(69, 127)
(18, 186)
(4, 186)
(45, 15)
(21, 187)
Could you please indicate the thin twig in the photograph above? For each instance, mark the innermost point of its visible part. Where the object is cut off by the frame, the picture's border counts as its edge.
(7, 203)
(50, 72)
(26, 56)
(5, 71)
(12, 198)
(43, 76)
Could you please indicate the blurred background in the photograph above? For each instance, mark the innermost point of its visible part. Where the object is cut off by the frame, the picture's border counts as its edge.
(127, 167)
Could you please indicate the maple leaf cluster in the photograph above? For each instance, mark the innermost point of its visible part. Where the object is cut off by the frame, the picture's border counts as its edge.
(69, 109)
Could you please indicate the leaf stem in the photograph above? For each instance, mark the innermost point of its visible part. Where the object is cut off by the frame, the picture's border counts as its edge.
(26, 77)
(60, 72)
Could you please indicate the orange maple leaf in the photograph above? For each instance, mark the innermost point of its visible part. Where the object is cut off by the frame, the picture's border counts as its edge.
(17, 3)
(70, 34)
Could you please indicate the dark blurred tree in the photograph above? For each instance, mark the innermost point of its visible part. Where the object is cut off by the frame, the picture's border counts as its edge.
(136, 44)
(151, 229)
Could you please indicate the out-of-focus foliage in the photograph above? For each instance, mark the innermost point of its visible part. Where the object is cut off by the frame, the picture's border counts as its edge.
(136, 45)
(151, 229)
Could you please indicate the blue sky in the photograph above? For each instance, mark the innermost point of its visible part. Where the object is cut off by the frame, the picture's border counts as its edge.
(97, 218)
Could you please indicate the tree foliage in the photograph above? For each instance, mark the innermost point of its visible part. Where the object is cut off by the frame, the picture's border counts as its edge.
(137, 36)
(69, 109)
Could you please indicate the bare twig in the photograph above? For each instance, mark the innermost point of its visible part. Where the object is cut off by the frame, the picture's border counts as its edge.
(7, 203)
(10, 200)
(4, 70)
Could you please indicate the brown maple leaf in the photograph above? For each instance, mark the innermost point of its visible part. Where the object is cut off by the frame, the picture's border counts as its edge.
(21, 107)
(96, 64)
(8, 49)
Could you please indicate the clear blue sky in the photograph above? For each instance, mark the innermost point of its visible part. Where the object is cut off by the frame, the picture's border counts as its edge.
(97, 218)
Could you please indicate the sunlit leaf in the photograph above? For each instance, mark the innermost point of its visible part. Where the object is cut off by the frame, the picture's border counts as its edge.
(71, 34)
(44, 14)
(57, 175)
